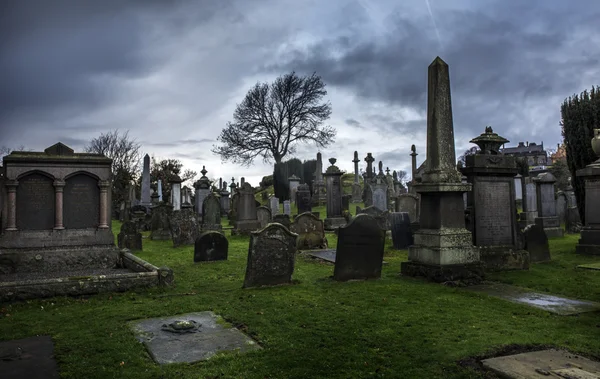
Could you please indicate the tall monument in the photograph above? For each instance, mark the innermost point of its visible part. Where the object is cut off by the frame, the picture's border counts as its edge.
(443, 248)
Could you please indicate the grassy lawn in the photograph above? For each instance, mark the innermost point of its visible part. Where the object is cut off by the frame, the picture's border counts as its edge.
(396, 327)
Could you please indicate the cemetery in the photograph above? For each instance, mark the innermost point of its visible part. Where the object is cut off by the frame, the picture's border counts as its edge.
(461, 272)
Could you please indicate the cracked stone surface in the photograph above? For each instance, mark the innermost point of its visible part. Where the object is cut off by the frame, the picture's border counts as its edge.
(211, 336)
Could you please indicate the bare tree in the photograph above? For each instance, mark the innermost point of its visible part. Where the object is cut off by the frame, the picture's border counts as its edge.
(124, 152)
(462, 159)
(402, 176)
(273, 118)
(5, 150)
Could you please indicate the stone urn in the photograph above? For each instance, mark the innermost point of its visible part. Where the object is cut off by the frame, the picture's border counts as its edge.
(596, 142)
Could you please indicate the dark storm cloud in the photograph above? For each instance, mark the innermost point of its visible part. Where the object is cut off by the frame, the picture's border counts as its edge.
(499, 57)
(181, 143)
(354, 123)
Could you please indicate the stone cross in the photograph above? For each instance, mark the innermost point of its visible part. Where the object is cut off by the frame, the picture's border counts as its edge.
(145, 199)
(369, 159)
(356, 160)
(380, 168)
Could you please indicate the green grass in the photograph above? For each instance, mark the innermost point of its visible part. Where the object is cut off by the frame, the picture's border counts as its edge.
(395, 327)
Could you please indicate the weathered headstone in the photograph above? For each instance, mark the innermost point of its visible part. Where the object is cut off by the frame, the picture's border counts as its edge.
(546, 205)
(271, 256)
(443, 249)
(379, 189)
(589, 243)
(561, 207)
(319, 193)
(381, 217)
(274, 205)
(401, 232)
(311, 234)
(246, 219)
(184, 227)
(303, 201)
(202, 187)
(233, 210)
(346, 203)
(333, 182)
(211, 213)
(129, 237)
(263, 214)
(294, 182)
(409, 203)
(159, 190)
(530, 208)
(160, 227)
(536, 243)
(491, 205)
(211, 246)
(287, 208)
(225, 200)
(359, 251)
(175, 181)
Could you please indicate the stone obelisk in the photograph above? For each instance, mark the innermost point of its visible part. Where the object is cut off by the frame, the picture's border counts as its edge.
(145, 200)
(443, 248)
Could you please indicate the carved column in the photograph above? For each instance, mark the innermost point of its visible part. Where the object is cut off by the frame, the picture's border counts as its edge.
(11, 186)
(59, 186)
(103, 184)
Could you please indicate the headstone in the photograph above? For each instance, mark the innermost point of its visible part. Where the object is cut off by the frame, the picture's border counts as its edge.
(211, 246)
(561, 207)
(202, 187)
(225, 200)
(531, 203)
(443, 249)
(160, 226)
(546, 205)
(589, 243)
(287, 209)
(263, 214)
(246, 218)
(491, 205)
(129, 237)
(518, 187)
(401, 232)
(175, 181)
(186, 198)
(319, 193)
(145, 198)
(346, 203)
(379, 189)
(233, 210)
(294, 182)
(274, 205)
(333, 182)
(159, 190)
(271, 256)
(211, 213)
(184, 227)
(303, 201)
(536, 243)
(381, 217)
(282, 219)
(409, 203)
(359, 251)
(310, 231)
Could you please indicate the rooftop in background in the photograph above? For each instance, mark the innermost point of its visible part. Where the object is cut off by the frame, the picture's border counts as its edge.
(524, 148)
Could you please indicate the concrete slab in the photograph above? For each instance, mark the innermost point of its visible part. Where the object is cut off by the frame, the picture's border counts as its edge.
(551, 363)
(554, 304)
(31, 358)
(590, 266)
(189, 337)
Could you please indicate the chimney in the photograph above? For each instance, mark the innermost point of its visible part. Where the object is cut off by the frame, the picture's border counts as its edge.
(521, 144)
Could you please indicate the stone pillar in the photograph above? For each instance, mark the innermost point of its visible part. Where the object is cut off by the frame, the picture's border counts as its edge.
(176, 192)
(589, 243)
(59, 186)
(356, 160)
(145, 198)
(11, 186)
(159, 190)
(413, 158)
(104, 209)
(333, 184)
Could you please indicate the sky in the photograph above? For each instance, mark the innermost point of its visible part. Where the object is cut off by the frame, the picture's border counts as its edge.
(171, 72)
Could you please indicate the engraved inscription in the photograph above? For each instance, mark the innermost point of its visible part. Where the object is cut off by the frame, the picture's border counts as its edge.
(35, 203)
(81, 202)
(592, 200)
(493, 214)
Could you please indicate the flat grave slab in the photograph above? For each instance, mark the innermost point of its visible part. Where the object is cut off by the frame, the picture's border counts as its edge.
(551, 363)
(590, 266)
(554, 304)
(31, 358)
(189, 337)
(327, 255)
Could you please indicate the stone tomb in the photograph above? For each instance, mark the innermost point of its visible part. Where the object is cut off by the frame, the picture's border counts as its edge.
(211, 246)
(189, 337)
(160, 226)
(359, 251)
(271, 256)
(310, 230)
(184, 227)
(246, 218)
(263, 214)
(589, 243)
(129, 237)
(57, 226)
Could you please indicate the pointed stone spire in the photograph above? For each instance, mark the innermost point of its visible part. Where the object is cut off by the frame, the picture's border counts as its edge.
(441, 156)
(356, 160)
(413, 154)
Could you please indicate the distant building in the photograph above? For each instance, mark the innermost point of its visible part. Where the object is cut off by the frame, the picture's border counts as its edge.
(534, 153)
(560, 154)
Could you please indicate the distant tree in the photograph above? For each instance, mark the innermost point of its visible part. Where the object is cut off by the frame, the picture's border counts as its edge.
(402, 176)
(522, 166)
(462, 159)
(580, 114)
(561, 172)
(5, 150)
(274, 117)
(165, 169)
(126, 156)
